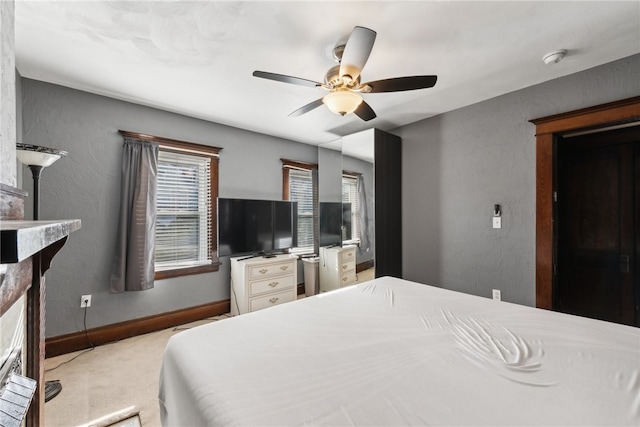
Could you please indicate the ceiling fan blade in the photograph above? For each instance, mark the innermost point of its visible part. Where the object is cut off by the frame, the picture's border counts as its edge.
(365, 112)
(305, 109)
(286, 79)
(399, 84)
(356, 51)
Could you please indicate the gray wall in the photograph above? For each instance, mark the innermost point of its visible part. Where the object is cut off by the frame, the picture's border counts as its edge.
(86, 185)
(457, 165)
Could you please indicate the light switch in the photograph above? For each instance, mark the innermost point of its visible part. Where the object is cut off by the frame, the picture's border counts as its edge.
(497, 222)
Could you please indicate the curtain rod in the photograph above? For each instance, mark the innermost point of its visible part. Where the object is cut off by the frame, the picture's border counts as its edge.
(299, 164)
(174, 144)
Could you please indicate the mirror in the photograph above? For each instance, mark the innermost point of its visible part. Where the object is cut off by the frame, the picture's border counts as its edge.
(330, 194)
(343, 205)
(330, 172)
(329, 236)
(358, 161)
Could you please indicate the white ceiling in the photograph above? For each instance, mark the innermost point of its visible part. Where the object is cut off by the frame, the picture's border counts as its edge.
(196, 58)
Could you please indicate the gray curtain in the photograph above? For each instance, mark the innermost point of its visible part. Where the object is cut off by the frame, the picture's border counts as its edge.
(133, 263)
(363, 217)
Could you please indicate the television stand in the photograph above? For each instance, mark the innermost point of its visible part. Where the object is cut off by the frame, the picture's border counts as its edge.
(258, 282)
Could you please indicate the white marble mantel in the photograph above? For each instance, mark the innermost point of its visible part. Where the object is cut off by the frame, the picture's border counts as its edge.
(22, 239)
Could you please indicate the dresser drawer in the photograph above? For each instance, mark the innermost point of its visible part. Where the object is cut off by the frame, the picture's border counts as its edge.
(348, 277)
(270, 300)
(346, 266)
(273, 284)
(260, 271)
(348, 255)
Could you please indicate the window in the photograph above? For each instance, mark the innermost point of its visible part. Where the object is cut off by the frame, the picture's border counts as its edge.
(299, 185)
(350, 196)
(183, 223)
(185, 236)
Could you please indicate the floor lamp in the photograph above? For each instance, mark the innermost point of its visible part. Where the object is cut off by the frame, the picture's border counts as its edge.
(38, 158)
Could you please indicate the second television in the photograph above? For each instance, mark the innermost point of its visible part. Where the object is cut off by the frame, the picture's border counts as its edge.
(335, 223)
(249, 226)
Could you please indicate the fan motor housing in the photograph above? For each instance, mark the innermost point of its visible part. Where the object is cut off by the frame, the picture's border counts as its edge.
(333, 79)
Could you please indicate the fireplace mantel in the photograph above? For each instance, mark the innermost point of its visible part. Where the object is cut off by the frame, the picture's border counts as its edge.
(22, 239)
(19, 241)
(26, 251)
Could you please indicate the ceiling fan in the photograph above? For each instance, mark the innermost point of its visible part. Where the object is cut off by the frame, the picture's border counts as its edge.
(343, 80)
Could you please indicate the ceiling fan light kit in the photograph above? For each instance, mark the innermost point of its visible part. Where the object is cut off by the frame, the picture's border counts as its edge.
(343, 80)
(342, 101)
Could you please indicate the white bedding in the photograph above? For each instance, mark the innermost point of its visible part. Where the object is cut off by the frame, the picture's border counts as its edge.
(394, 352)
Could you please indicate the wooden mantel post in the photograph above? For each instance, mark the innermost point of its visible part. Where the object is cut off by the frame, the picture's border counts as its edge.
(35, 341)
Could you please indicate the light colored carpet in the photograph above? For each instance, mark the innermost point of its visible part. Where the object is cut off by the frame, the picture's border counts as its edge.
(113, 382)
(110, 382)
(366, 275)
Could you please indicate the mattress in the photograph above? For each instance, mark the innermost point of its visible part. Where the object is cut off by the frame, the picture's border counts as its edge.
(394, 352)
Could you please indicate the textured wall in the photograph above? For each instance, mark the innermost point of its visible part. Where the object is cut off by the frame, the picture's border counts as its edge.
(7, 94)
(456, 166)
(11, 332)
(86, 185)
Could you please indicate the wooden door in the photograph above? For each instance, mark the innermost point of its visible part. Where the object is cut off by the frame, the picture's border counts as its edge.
(597, 225)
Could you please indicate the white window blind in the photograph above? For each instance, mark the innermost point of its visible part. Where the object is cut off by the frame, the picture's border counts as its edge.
(301, 191)
(350, 195)
(183, 225)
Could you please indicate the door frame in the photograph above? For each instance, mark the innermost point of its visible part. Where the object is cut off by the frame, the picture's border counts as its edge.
(547, 128)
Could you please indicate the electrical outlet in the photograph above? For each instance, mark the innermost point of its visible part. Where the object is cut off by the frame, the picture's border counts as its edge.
(496, 295)
(85, 301)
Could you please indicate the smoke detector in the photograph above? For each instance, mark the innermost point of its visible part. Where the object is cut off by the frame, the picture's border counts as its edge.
(554, 57)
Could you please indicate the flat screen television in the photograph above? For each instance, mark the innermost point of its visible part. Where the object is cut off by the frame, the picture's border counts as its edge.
(335, 223)
(247, 226)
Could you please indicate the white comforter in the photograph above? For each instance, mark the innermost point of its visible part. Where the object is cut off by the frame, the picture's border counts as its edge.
(393, 352)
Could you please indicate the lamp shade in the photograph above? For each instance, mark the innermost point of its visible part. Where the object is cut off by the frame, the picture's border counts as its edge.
(34, 155)
(342, 101)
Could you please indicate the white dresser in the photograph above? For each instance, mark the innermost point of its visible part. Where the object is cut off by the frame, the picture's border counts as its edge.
(337, 267)
(258, 283)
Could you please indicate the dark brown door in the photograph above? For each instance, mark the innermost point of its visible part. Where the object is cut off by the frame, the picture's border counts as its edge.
(597, 225)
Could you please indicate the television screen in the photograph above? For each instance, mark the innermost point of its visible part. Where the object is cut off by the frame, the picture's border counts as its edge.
(251, 226)
(335, 223)
(285, 225)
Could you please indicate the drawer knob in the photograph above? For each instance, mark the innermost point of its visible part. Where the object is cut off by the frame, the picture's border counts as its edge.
(273, 300)
(263, 270)
(284, 267)
(344, 266)
(344, 279)
(273, 284)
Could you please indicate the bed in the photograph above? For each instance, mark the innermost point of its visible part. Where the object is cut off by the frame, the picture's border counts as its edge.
(394, 352)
